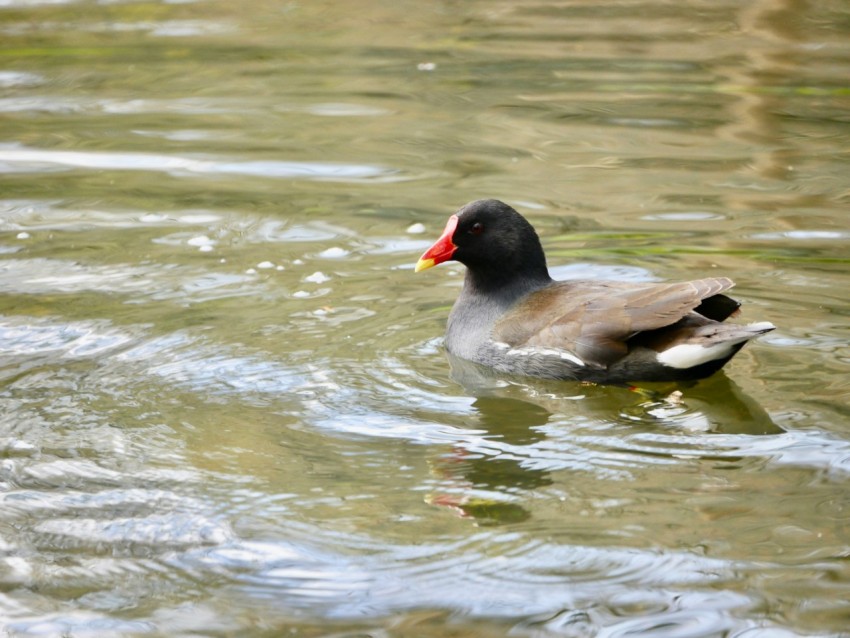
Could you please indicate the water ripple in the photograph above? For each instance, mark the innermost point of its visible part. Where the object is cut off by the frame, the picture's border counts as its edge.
(25, 160)
(9, 79)
(391, 579)
(37, 276)
(166, 530)
(25, 336)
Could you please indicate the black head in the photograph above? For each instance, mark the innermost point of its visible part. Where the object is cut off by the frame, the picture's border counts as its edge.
(496, 243)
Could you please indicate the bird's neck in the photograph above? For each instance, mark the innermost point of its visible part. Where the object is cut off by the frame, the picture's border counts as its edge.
(482, 301)
(507, 285)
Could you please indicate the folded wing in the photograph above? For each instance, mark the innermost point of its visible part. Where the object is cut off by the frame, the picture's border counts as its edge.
(594, 319)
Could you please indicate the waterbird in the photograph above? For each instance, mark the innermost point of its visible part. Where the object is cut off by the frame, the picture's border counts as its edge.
(511, 315)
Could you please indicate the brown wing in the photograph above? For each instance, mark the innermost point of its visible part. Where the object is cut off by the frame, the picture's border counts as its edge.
(594, 319)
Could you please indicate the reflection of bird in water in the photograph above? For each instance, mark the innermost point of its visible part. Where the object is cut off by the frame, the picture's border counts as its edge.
(490, 488)
(489, 483)
(717, 403)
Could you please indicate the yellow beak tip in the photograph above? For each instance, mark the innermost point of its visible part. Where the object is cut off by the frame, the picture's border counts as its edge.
(423, 264)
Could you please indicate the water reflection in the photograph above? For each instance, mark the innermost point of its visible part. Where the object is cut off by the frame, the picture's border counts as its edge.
(762, 86)
(488, 479)
(25, 160)
(225, 403)
(490, 489)
(716, 404)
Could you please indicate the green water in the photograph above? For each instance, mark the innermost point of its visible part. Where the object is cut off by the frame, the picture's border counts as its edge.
(225, 409)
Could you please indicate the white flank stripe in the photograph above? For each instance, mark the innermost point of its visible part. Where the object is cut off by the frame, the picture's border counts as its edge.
(531, 351)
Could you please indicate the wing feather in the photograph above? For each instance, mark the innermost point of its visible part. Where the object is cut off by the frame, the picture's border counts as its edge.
(594, 319)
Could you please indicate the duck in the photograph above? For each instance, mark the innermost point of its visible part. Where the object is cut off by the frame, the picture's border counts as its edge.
(511, 316)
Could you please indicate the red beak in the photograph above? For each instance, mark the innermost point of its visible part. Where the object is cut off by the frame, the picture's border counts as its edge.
(443, 248)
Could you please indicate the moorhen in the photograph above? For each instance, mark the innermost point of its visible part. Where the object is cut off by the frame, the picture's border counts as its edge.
(513, 317)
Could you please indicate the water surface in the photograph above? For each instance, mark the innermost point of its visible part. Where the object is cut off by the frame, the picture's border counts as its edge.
(226, 409)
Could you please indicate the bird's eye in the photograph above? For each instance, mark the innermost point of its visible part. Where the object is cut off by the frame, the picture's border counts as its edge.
(476, 229)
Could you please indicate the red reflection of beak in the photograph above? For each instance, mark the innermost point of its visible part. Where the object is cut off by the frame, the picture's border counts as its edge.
(442, 250)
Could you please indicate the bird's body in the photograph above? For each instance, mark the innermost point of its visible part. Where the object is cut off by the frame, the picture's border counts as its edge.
(513, 317)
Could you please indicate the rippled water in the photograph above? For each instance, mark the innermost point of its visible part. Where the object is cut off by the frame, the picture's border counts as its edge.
(226, 409)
